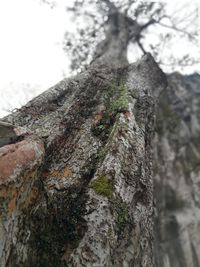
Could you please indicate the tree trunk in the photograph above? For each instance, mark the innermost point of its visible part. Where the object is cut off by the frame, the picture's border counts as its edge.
(177, 173)
(76, 188)
(76, 167)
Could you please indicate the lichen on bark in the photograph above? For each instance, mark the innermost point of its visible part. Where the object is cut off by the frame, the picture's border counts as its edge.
(94, 201)
(73, 219)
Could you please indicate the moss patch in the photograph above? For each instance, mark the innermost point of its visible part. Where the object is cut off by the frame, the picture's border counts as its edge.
(102, 186)
(120, 104)
(116, 102)
(122, 219)
(122, 216)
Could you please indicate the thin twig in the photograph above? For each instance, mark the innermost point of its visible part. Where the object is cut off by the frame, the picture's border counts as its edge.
(175, 29)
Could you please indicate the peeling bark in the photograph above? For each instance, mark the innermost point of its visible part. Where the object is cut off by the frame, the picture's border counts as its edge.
(19, 165)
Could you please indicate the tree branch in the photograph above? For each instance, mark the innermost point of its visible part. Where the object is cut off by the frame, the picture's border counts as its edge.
(175, 29)
(146, 25)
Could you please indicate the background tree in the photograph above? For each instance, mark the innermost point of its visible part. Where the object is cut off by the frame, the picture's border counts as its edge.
(152, 29)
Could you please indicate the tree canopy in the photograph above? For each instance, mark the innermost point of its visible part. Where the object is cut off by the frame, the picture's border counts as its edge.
(152, 28)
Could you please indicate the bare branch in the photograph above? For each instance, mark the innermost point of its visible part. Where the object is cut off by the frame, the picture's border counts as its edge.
(173, 27)
(141, 46)
(149, 23)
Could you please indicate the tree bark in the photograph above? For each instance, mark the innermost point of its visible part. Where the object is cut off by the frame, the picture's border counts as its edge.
(76, 182)
(76, 166)
(76, 187)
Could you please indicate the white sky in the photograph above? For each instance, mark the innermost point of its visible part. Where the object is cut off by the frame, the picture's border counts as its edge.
(31, 37)
(31, 52)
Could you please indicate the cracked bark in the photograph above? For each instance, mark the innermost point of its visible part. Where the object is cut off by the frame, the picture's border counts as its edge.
(86, 198)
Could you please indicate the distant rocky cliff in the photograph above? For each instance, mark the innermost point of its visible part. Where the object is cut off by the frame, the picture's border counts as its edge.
(177, 173)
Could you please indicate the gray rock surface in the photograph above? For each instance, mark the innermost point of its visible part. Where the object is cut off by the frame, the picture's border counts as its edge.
(177, 173)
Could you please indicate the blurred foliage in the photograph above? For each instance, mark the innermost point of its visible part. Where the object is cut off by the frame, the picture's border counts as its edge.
(161, 30)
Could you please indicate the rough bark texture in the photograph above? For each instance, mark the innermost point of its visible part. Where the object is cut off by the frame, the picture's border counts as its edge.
(86, 197)
(177, 173)
(76, 166)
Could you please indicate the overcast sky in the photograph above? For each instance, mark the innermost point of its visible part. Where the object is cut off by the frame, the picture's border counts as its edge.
(31, 54)
(30, 49)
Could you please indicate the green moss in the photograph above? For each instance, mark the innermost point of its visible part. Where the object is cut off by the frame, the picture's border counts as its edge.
(120, 104)
(116, 102)
(102, 186)
(122, 219)
(122, 215)
(104, 127)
